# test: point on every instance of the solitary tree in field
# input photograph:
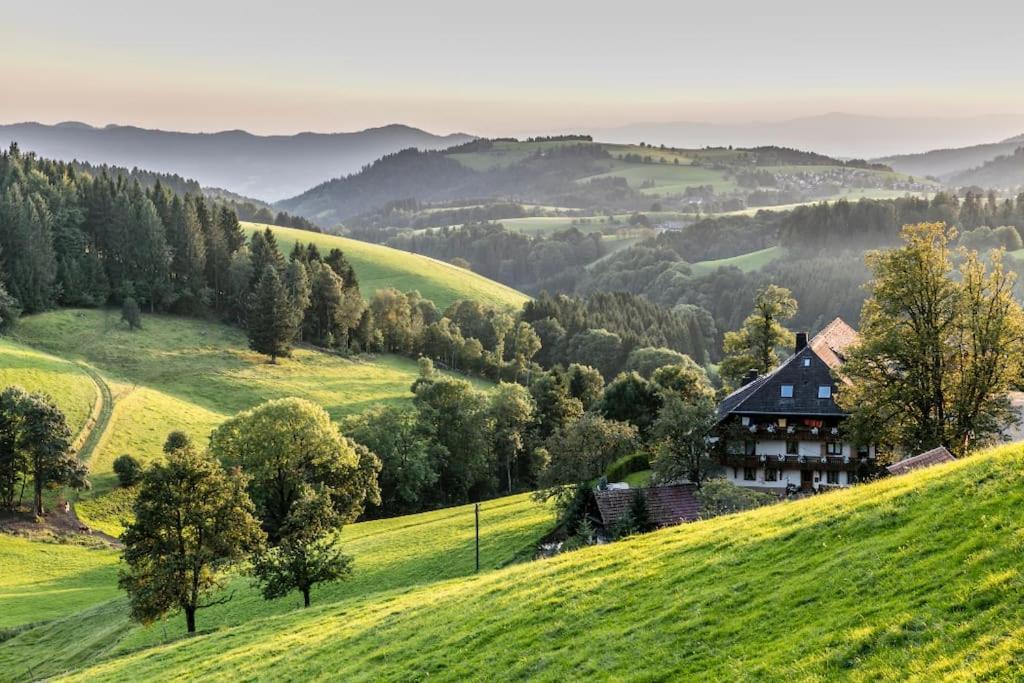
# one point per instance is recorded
(308, 552)
(756, 344)
(191, 519)
(938, 353)
(272, 320)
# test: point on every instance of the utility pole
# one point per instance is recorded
(476, 509)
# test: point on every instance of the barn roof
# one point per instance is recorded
(666, 505)
(935, 456)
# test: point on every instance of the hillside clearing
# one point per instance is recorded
(190, 375)
(915, 577)
(750, 262)
(378, 267)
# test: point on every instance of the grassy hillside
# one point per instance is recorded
(392, 558)
(378, 267)
(187, 374)
(912, 578)
(35, 371)
(755, 260)
(40, 581)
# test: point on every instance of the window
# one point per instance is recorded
(824, 392)
(782, 423)
(749, 474)
(832, 477)
(807, 362)
(745, 421)
(834, 448)
(863, 451)
(749, 447)
(770, 474)
(792, 448)
(786, 391)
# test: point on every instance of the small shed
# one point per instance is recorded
(667, 505)
(935, 456)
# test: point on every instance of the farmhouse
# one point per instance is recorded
(784, 431)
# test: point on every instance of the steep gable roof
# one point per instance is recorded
(833, 341)
(805, 371)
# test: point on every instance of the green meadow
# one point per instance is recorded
(378, 267)
(748, 263)
(910, 578)
(179, 374)
(393, 557)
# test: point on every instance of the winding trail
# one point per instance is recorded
(102, 421)
(88, 438)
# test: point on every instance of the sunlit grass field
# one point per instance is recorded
(39, 372)
(911, 578)
(378, 267)
(392, 558)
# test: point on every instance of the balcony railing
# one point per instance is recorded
(803, 462)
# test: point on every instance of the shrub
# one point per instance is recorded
(721, 497)
(627, 465)
(128, 470)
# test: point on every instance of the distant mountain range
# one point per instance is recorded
(947, 164)
(267, 167)
(836, 134)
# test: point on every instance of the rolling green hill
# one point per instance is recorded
(746, 262)
(378, 267)
(392, 558)
(38, 372)
(184, 374)
(590, 176)
(910, 578)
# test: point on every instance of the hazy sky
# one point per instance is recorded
(510, 68)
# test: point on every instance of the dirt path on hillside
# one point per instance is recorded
(63, 520)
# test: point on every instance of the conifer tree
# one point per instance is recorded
(271, 319)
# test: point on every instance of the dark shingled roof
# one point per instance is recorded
(667, 505)
(764, 395)
(935, 456)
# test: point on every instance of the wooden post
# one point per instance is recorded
(476, 510)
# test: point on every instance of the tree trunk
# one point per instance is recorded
(38, 503)
(508, 472)
(190, 619)
(305, 597)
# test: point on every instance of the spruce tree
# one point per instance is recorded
(272, 321)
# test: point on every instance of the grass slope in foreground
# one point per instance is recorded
(378, 267)
(392, 558)
(912, 578)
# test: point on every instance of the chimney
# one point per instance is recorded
(749, 377)
(801, 342)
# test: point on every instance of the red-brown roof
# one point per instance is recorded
(833, 341)
(935, 456)
(666, 505)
